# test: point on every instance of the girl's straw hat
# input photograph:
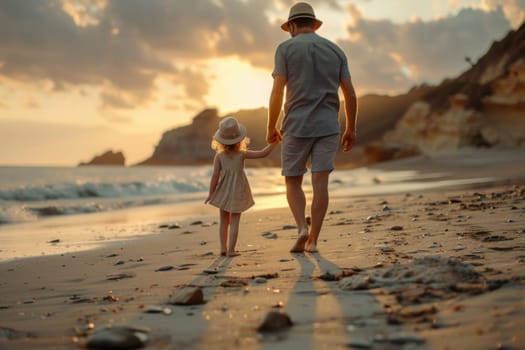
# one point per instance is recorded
(230, 131)
(301, 10)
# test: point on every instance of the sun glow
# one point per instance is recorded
(238, 85)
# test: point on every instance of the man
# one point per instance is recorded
(312, 69)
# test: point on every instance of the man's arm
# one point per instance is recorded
(350, 97)
(274, 109)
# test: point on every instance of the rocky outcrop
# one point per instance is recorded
(107, 158)
(187, 145)
(484, 107)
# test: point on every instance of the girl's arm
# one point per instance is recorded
(214, 178)
(261, 153)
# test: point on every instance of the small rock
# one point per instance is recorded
(396, 228)
(188, 296)
(165, 268)
(54, 241)
(260, 280)
(119, 276)
(275, 322)
(118, 337)
(360, 343)
(158, 309)
(403, 338)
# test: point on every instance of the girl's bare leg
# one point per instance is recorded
(235, 219)
(224, 224)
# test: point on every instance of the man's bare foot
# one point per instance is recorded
(232, 254)
(311, 247)
(299, 243)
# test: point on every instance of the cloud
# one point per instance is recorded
(39, 41)
(513, 9)
(386, 56)
(126, 48)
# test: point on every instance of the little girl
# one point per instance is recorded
(229, 187)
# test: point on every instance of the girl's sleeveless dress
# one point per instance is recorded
(233, 193)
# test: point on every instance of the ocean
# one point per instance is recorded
(87, 206)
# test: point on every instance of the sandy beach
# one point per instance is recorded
(440, 268)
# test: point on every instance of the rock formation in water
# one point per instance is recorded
(107, 158)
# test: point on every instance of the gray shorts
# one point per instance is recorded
(296, 151)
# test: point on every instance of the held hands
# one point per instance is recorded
(273, 136)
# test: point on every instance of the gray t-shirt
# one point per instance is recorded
(313, 67)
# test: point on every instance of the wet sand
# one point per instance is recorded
(434, 269)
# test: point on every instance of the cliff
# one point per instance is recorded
(483, 107)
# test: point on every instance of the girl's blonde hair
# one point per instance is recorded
(241, 146)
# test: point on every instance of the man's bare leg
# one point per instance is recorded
(319, 207)
(297, 203)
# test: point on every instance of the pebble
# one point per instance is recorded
(188, 296)
(165, 268)
(211, 271)
(360, 343)
(119, 276)
(403, 338)
(158, 309)
(118, 337)
(260, 280)
(275, 321)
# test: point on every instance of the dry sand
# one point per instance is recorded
(440, 269)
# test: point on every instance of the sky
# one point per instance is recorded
(79, 77)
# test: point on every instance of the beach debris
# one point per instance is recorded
(112, 255)
(396, 228)
(289, 227)
(111, 298)
(197, 222)
(275, 321)
(119, 262)
(158, 309)
(187, 296)
(119, 276)
(75, 299)
(171, 267)
(360, 343)
(267, 275)
(269, 235)
(118, 337)
(211, 270)
(330, 277)
(165, 268)
(173, 226)
(54, 241)
(260, 280)
(233, 283)
(9, 333)
(403, 338)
